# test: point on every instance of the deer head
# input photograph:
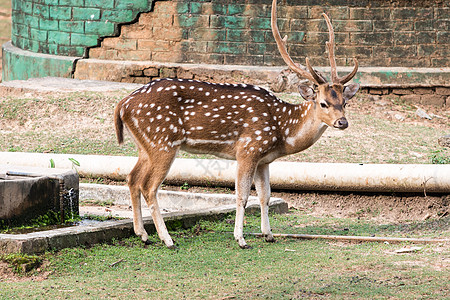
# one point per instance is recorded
(329, 99)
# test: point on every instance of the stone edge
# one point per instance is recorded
(122, 71)
(57, 239)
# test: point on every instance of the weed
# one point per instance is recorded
(101, 218)
(51, 218)
(185, 186)
(440, 157)
(22, 263)
(108, 202)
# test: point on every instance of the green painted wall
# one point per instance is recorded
(21, 64)
(399, 33)
(68, 27)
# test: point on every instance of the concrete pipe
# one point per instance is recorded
(284, 175)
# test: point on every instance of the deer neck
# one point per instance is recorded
(308, 130)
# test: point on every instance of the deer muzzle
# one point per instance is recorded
(341, 123)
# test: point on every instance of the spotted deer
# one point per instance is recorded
(242, 122)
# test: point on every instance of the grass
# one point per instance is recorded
(209, 264)
(81, 123)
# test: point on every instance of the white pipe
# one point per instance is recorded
(284, 175)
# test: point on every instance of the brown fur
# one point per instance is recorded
(241, 122)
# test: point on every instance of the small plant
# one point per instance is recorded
(48, 219)
(185, 186)
(22, 263)
(102, 218)
(72, 160)
(440, 157)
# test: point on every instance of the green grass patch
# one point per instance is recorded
(47, 221)
(209, 264)
(22, 263)
(82, 123)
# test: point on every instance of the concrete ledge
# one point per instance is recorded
(106, 231)
(20, 64)
(277, 78)
(60, 84)
(27, 192)
(169, 201)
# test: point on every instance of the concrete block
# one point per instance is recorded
(48, 24)
(151, 72)
(136, 5)
(118, 16)
(23, 6)
(60, 12)
(58, 37)
(26, 192)
(103, 4)
(38, 35)
(192, 21)
(85, 13)
(374, 13)
(423, 91)
(72, 26)
(412, 13)
(71, 50)
(16, 64)
(101, 28)
(402, 91)
(413, 99)
(133, 55)
(41, 10)
(227, 47)
(71, 2)
(120, 44)
(371, 38)
(83, 39)
(433, 99)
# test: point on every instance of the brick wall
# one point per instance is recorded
(379, 33)
(69, 27)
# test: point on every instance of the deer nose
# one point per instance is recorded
(341, 123)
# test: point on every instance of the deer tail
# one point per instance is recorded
(118, 124)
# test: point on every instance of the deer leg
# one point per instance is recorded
(262, 185)
(135, 192)
(244, 180)
(159, 167)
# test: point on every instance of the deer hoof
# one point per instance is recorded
(246, 246)
(270, 239)
(147, 242)
(172, 247)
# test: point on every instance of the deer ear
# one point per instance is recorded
(350, 90)
(307, 92)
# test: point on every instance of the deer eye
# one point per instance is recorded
(323, 105)
(344, 105)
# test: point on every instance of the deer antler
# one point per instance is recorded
(330, 45)
(281, 43)
(312, 75)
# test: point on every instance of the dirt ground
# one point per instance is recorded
(383, 208)
(378, 207)
(388, 207)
